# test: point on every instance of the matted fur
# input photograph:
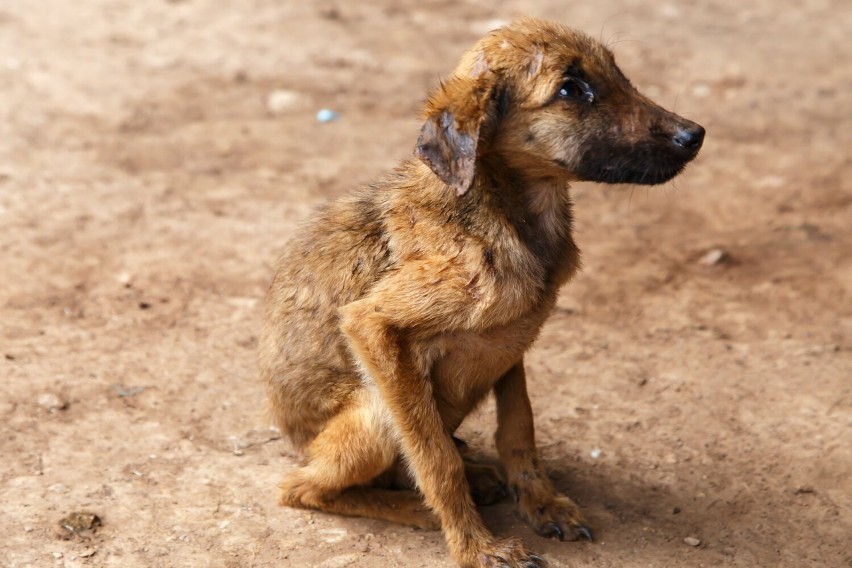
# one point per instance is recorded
(396, 310)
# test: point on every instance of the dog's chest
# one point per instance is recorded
(466, 365)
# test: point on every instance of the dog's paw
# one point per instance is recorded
(556, 517)
(509, 553)
(487, 485)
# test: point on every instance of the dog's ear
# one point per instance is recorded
(454, 113)
(448, 149)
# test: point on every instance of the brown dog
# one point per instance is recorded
(397, 310)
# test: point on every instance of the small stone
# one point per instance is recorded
(596, 453)
(58, 555)
(670, 11)
(700, 90)
(691, 541)
(80, 522)
(51, 402)
(88, 552)
(281, 101)
(327, 115)
(676, 510)
(714, 257)
(334, 535)
(124, 392)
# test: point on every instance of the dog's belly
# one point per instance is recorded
(467, 365)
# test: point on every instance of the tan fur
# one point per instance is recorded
(396, 310)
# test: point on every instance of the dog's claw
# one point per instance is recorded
(555, 530)
(584, 532)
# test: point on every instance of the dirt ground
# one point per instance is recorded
(154, 157)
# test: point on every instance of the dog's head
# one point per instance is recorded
(548, 101)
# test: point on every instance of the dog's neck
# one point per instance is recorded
(548, 201)
(550, 223)
(540, 211)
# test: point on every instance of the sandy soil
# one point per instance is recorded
(147, 184)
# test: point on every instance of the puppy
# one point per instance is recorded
(396, 310)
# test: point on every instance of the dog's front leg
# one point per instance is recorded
(550, 513)
(381, 329)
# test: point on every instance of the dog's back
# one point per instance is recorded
(330, 261)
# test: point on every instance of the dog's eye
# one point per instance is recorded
(576, 89)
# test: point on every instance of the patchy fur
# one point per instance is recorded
(396, 310)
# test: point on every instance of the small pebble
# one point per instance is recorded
(692, 541)
(280, 101)
(51, 402)
(124, 392)
(714, 257)
(700, 90)
(327, 115)
(670, 11)
(596, 453)
(78, 523)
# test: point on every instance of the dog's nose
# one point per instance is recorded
(689, 138)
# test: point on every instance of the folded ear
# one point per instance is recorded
(449, 152)
(450, 135)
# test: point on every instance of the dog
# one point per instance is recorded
(397, 309)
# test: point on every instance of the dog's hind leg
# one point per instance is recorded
(353, 449)
(487, 482)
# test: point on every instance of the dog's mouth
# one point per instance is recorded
(646, 163)
(624, 168)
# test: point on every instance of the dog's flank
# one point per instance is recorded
(396, 310)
